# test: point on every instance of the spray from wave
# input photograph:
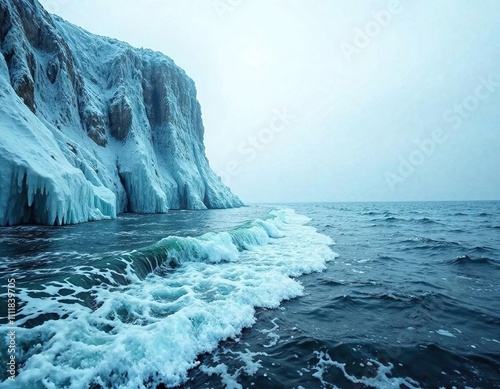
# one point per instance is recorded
(140, 319)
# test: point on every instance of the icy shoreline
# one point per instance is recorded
(91, 127)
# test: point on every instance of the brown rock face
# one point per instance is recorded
(25, 89)
(53, 70)
(154, 89)
(94, 124)
(120, 116)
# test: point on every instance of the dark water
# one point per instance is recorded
(413, 300)
(416, 288)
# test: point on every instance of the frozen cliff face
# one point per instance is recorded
(91, 127)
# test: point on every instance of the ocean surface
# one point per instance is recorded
(340, 295)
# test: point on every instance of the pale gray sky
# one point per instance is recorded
(331, 100)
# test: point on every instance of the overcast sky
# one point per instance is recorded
(331, 100)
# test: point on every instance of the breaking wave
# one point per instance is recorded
(140, 319)
(465, 259)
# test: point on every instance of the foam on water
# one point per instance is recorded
(147, 320)
(250, 364)
(271, 334)
(382, 378)
(445, 333)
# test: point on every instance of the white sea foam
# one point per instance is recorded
(445, 333)
(150, 330)
(381, 380)
(248, 363)
(273, 336)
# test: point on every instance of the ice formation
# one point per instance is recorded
(91, 127)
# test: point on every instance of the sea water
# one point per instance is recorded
(268, 296)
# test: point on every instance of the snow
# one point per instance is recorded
(98, 128)
(44, 187)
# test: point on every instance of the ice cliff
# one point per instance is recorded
(91, 127)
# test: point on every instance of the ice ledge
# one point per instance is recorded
(38, 184)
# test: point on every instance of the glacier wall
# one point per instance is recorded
(91, 127)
